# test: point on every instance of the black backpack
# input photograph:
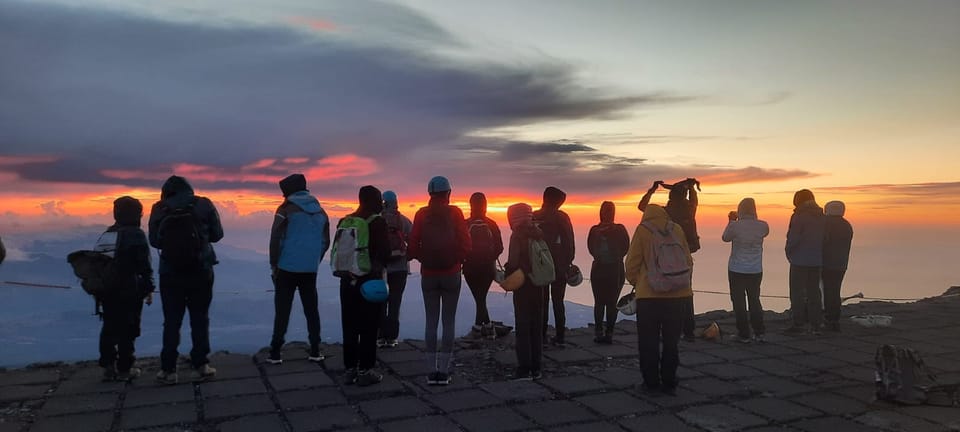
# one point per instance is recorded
(96, 271)
(604, 250)
(181, 245)
(680, 215)
(481, 240)
(438, 241)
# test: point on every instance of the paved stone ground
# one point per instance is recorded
(788, 384)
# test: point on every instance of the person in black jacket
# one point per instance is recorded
(558, 233)
(132, 286)
(838, 235)
(479, 268)
(361, 319)
(528, 305)
(608, 243)
(186, 282)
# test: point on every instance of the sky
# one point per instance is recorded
(857, 100)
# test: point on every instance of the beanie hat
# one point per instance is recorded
(835, 208)
(438, 184)
(519, 215)
(802, 196)
(293, 183)
(390, 199)
(127, 210)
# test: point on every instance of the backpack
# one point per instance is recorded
(481, 239)
(350, 254)
(96, 268)
(604, 251)
(398, 240)
(682, 217)
(899, 374)
(542, 271)
(666, 260)
(438, 242)
(181, 244)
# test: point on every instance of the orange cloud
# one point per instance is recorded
(317, 24)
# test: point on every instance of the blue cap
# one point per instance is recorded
(438, 184)
(389, 197)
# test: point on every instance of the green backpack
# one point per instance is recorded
(542, 271)
(350, 254)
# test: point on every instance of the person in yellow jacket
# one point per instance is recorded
(659, 314)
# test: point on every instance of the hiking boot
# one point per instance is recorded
(381, 343)
(522, 375)
(433, 378)
(607, 339)
(109, 374)
(536, 375)
(759, 339)
(203, 373)
(368, 377)
(744, 339)
(164, 377)
(668, 390)
(275, 358)
(650, 388)
(795, 331)
(129, 375)
(316, 356)
(392, 343)
(816, 330)
(598, 339)
(833, 327)
(443, 379)
(490, 330)
(350, 376)
(557, 341)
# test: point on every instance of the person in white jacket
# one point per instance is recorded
(745, 269)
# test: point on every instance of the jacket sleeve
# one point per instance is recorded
(678, 231)
(645, 200)
(463, 235)
(325, 236)
(766, 228)
(624, 241)
(214, 228)
(794, 232)
(729, 231)
(416, 231)
(144, 268)
(635, 257)
(277, 232)
(568, 237)
(591, 240)
(379, 242)
(497, 236)
(157, 212)
(694, 201)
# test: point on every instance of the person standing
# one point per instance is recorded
(528, 306)
(299, 238)
(369, 246)
(440, 242)
(558, 233)
(398, 268)
(804, 251)
(745, 268)
(838, 235)
(608, 243)
(132, 287)
(183, 227)
(479, 268)
(660, 309)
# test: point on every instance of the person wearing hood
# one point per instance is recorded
(183, 227)
(360, 318)
(528, 305)
(558, 233)
(608, 243)
(398, 268)
(838, 235)
(804, 251)
(659, 314)
(133, 286)
(479, 268)
(440, 242)
(746, 232)
(299, 238)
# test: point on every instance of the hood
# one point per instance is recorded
(293, 183)
(655, 214)
(519, 215)
(439, 199)
(553, 198)
(176, 192)
(127, 211)
(802, 196)
(305, 201)
(835, 208)
(478, 205)
(371, 201)
(747, 209)
(808, 207)
(678, 192)
(607, 211)
(390, 201)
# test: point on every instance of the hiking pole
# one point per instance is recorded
(858, 295)
(36, 285)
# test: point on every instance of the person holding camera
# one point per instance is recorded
(745, 232)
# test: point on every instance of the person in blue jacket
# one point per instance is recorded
(299, 238)
(804, 251)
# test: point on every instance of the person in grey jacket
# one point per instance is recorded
(299, 238)
(836, 254)
(804, 251)
(398, 268)
(745, 268)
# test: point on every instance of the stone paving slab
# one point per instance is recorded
(588, 427)
(619, 378)
(423, 424)
(89, 380)
(23, 392)
(949, 417)
(714, 387)
(90, 402)
(230, 388)
(720, 418)
(517, 390)
(298, 399)
(395, 408)
(896, 422)
(142, 396)
(396, 356)
(734, 354)
(292, 367)
(694, 358)
(774, 366)
(29, 376)
(683, 397)
(775, 386)
(615, 404)
(462, 400)
(158, 415)
(389, 386)
(325, 419)
(776, 409)
(555, 412)
(409, 368)
(612, 351)
(573, 384)
(237, 406)
(730, 370)
(91, 422)
(571, 355)
(831, 403)
(659, 422)
(831, 424)
(258, 423)
(300, 381)
(492, 420)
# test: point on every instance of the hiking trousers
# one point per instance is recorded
(478, 278)
(390, 321)
(805, 300)
(360, 320)
(658, 324)
(832, 279)
(440, 296)
(286, 287)
(181, 292)
(744, 291)
(528, 308)
(121, 326)
(557, 291)
(606, 280)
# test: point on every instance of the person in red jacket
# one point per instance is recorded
(440, 242)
